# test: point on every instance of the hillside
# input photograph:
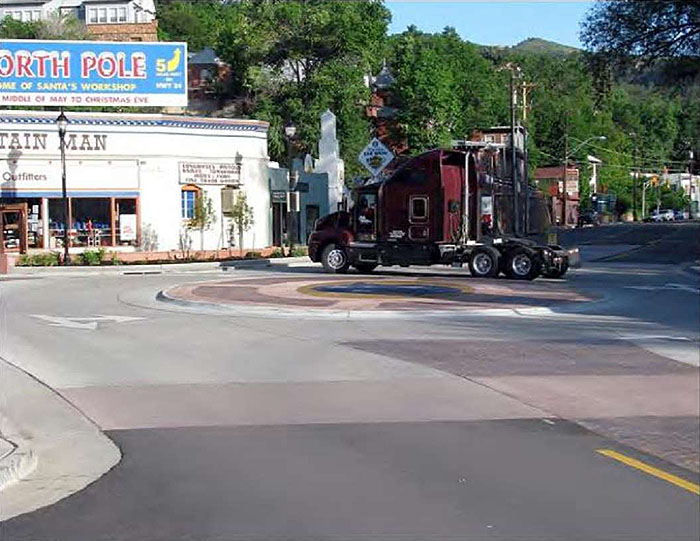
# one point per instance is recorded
(543, 46)
(531, 46)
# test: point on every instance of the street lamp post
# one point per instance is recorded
(290, 131)
(62, 123)
(568, 154)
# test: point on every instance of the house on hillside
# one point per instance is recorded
(207, 75)
(382, 110)
(105, 20)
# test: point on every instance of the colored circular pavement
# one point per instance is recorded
(376, 293)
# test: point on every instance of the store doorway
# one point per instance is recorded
(13, 228)
(279, 223)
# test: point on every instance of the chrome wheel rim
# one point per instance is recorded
(336, 259)
(482, 263)
(521, 264)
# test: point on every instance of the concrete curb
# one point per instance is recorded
(16, 464)
(206, 266)
(57, 451)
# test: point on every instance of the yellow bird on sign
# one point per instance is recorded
(174, 62)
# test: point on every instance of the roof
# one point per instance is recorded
(384, 78)
(21, 2)
(133, 119)
(205, 56)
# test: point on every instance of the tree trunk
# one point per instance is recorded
(240, 241)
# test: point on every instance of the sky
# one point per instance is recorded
(496, 22)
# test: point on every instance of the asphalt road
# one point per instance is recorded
(482, 427)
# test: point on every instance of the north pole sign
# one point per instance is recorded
(375, 157)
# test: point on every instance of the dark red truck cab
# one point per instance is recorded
(442, 207)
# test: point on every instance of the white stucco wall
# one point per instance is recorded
(141, 155)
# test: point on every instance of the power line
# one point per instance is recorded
(632, 156)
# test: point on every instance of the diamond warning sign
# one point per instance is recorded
(375, 157)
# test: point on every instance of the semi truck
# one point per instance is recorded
(450, 207)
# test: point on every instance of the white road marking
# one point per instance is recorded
(678, 287)
(84, 323)
(654, 337)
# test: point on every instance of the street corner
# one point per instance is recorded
(49, 449)
(394, 294)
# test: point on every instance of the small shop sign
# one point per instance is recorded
(279, 196)
(202, 173)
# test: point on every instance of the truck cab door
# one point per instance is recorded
(418, 217)
(366, 217)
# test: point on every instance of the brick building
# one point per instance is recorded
(564, 201)
(105, 20)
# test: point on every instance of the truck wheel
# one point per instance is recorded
(483, 262)
(335, 259)
(522, 264)
(365, 268)
(557, 273)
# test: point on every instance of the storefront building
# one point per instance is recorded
(132, 180)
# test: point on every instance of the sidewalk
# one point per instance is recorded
(50, 449)
(206, 266)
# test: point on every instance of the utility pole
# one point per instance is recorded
(513, 166)
(566, 166)
(690, 183)
(526, 87)
(635, 179)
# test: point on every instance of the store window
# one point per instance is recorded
(189, 196)
(122, 15)
(103, 15)
(126, 222)
(92, 15)
(91, 222)
(112, 15)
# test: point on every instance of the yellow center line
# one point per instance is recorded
(634, 463)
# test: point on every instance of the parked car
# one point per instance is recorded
(588, 217)
(662, 216)
(679, 215)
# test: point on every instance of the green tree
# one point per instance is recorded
(13, 29)
(54, 26)
(242, 218)
(203, 217)
(650, 29)
(444, 88)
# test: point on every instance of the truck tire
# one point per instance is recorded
(483, 262)
(557, 273)
(522, 263)
(335, 259)
(365, 268)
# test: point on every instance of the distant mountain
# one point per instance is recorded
(542, 46)
(534, 46)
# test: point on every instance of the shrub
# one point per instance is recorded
(299, 251)
(92, 257)
(278, 252)
(43, 259)
(252, 255)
